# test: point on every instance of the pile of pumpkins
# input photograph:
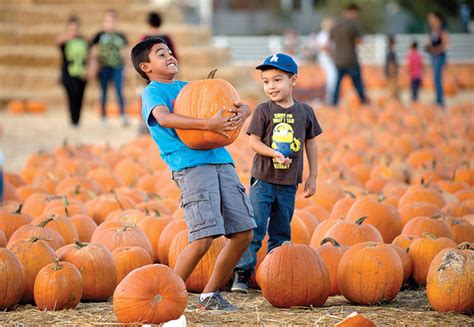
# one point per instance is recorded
(394, 201)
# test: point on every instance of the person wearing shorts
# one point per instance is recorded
(213, 199)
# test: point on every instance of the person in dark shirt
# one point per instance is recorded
(346, 34)
(74, 51)
(108, 48)
(391, 69)
(279, 131)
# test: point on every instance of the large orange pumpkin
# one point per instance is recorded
(12, 279)
(33, 254)
(58, 286)
(203, 99)
(370, 272)
(292, 275)
(450, 282)
(96, 264)
(331, 253)
(203, 270)
(150, 294)
(422, 251)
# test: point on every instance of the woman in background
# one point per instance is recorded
(437, 47)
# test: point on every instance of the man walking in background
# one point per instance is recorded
(346, 35)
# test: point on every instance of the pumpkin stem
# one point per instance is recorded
(34, 239)
(352, 195)
(156, 212)
(118, 201)
(80, 244)
(430, 235)
(465, 246)
(46, 221)
(361, 220)
(57, 265)
(211, 74)
(287, 243)
(381, 198)
(18, 210)
(330, 240)
(147, 212)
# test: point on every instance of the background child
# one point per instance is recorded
(415, 69)
(278, 131)
(74, 52)
(107, 49)
(212, 196)
(391, 69)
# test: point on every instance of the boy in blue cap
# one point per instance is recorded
(278, 131)
(213, 199)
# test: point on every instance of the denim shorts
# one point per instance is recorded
(214, 201)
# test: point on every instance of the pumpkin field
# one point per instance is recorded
(90, 225)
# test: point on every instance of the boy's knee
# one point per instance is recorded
(244, 237)
(202, 245)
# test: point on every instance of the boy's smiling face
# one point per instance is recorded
(278, 86)
(163, 66)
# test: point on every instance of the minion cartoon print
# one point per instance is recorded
(283, 139)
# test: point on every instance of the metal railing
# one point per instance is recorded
(372, 51)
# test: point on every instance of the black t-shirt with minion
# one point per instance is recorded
(285, 130)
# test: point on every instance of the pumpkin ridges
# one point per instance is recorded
(12, 279)
(133, 300)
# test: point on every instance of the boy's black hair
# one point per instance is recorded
(414, 45)
(265, 68)
(154, 19)
(352, 7)
(141, 51)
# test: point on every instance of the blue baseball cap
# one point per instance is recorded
(280, 61)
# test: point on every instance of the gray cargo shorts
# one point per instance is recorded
(214, 201)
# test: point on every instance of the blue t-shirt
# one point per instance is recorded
(174, 152)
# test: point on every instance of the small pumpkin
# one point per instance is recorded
(203, 99)
(294, 275)
(422, 251)
(96, 264)
(331, 253)
(370, 272)
(12, 279)
(58, 286)
(151, 294)
(450, 282)
(128, 258)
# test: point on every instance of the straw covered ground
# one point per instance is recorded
(411, 307)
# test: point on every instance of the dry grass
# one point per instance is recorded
(409, 308)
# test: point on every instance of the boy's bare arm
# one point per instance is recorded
(312, 153)
(218, 123)
(262, 149)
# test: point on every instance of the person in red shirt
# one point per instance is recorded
(415, 69)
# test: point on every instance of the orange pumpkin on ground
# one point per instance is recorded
(204, 99)
(422, 251)
(450, 282)
(331, 252)
(420, 225)
(12, 279)
(96, 264)
(355, 320)
(151, 294)
(294, 275)
(58, 286)
(33, 254)
(370, 272)
(350, 233)
(128, 258)
(202, 272)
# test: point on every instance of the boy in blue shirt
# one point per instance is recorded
(212, 196)
(279, 131)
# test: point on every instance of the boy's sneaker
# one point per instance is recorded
(216, 302)
(241, 282)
